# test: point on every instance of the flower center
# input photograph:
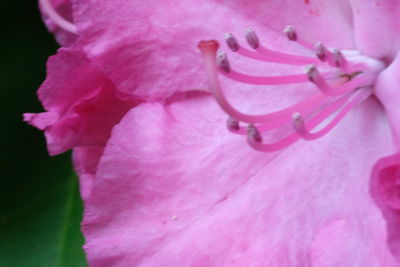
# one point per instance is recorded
(347, 83)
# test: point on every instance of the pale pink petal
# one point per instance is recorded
(387, 89)
(385, 188)
(142, 46)
(377, 27)
(64, 9)
(174, 188)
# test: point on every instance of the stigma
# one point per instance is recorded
(346, 81)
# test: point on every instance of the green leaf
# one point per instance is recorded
(40, 225)
(40, 207)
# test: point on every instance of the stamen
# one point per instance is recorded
(233, 125)
(265, 54)
(258, 145)
(275, 57)
(209, 50)
(56, 18)
(347, 87)
(339, 59)
(321, 51)
(223, 62)
(252, 38)
(258, 80)
(292, 35)
(325, 88)
(301, 129)
(315, 121)
(231, 42)
(253, 133)
(289, 57)
(334, 58)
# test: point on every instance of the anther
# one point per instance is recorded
(338, 58)
(233, 124)
(231, 42)
(298, 122)
(252, 38)
(290, 33)
(253, 134)
(311, 72)
(223, 62)
(321, 51)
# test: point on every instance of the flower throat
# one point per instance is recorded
(351, 84)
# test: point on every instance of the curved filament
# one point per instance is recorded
(354, 100)
(211, 68)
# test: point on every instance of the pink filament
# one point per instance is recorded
(211, 68)
(346, 89)
(276, 57)
(315, 121)
(271, 80)
(56, 18)
(324, 114)
(357, 98)
(268, 52)
(325, 88)
(301, 41)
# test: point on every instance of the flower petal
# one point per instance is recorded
(377, 27)
(174, 188)
(387, 89)
(149, 48)
(385, 180)
(81, 104)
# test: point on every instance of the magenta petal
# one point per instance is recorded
(385, 188)
(175, 188)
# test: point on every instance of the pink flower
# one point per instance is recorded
(169, 185)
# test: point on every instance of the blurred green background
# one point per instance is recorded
(40, 208)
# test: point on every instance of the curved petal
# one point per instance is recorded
(64, 8)
(81, 104)
(174, 188)
(149, 48)
(385, 179)
(86, 159)
(387, 89)
(377, 27)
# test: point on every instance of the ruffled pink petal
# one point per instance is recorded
(385, 188)
(64, 8)
(377, 27)
(81, 104)
(175, 188)
(387, 89)
(141, 46)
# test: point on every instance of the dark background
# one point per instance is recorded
(40, 208)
